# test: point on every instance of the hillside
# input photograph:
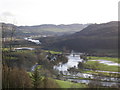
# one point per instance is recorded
(44, 29)
(94, 38)
(102, 38)
(51, 29)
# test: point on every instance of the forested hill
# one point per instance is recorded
(51, 29)
(79, 37)
(110, 29)
(95, 37)
(44, 29)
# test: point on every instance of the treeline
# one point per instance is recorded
(19, 78)
(17, 72)
(97, 39)
(15, 78)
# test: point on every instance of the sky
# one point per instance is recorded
(36, 12)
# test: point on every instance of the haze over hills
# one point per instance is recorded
(78, 37)
(46, 29)
(53, 29)
(95, 37)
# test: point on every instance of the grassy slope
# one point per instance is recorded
(53, 52)
(104, 58)
(99, 66)
(116, 60)
(67, 84)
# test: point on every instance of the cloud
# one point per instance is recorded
(8, 14)
(7, 17)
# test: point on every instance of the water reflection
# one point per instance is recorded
(32, 40)
(107, 62)
(73, 61)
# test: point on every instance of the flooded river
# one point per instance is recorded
(32, 40)
(107, 62)
(73, 61)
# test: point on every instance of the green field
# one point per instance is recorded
(104, 58)
(53, 52)
(67, 84)
(95, 65)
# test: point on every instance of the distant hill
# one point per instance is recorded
(51, 29)
(45, 29)
(94, 38)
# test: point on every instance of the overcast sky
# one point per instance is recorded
(36, 12)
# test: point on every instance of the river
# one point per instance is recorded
(73, 61)
(107, 62)
(32, 40)
(29, 48)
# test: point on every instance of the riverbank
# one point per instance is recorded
(73, 61)
(116, 60)
(69, 84)
(95, 65)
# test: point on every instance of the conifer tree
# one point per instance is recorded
(36, 77)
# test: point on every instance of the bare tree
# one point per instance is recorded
(5, 34)
(13, 29)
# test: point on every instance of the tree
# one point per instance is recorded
(49, 83)
(81, 65)
(84, 57)
(15, 78)
(19, 78)
(36, 77)
(5, 80)
(95, 83)
(8, 31)
(13, 28)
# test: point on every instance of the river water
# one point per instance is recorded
(107, 62)
(32, 40)
(29, 48)
(101, 83)
(24, 48)
(73, 61)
